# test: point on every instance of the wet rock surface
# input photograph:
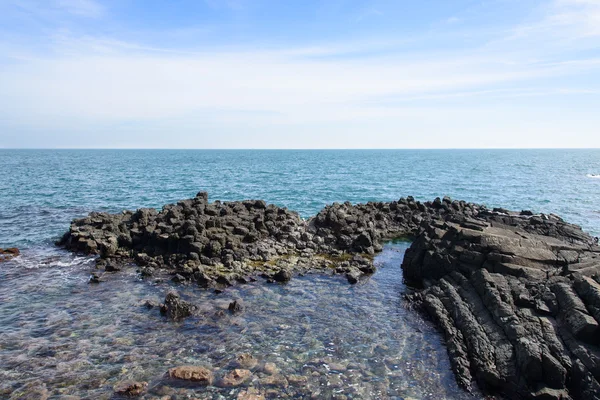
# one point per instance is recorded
(130, 388)
(198, 375)
(175, 308)
(7, 254)
(516, 297)
(515, 294)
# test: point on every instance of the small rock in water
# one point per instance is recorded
(94, 279)
(236, 306)
(149, 304)
(200, 375)
(250, 394)
(298, 380)
(130, 388)
(270, 368)
(175, 308)
(235, 378)
(353, 276)
(337, 367)
(246, 360)
(274, 380)
(111, 268)
(284, 275)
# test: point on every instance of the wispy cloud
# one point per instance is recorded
(565, 20)
(378, 85)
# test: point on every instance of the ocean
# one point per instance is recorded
(41, 191)
(62, 336)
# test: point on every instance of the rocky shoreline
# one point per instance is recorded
(515, 294)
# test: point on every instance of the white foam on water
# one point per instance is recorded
(36, 261)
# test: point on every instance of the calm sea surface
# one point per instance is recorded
(59, 334)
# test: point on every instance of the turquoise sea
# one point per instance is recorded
(42, 190)
(60, 336)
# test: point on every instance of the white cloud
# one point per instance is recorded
(115, 86)
(289, 97)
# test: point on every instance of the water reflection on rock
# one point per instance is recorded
(314, 337)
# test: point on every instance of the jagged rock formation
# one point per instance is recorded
(517, 295)
(517, 298)
(225, 243)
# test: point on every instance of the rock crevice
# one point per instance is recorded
(516, 297)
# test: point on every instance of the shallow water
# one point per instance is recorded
(61, 334)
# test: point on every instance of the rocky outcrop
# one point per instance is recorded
(516, 297)
(211, 244)
(224, 243)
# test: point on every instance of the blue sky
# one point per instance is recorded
(299, 74)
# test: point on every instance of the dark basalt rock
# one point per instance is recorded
(236, 306)
(283, 275)
(516, 294)
(175, 308)
(224, 243)
(517, 300)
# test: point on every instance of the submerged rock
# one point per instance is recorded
(236, 307)
(198, 375)
(250, 394)
(247, 361)
(270, 368)
(130, 388)
(235, 378)
(274, 380)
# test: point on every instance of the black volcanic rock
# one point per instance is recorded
(516, 294)
(517, 299)
(175, 308)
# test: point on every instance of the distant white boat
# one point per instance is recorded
(593, 175)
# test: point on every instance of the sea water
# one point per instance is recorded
(62, 336)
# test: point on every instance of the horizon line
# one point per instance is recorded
(297, 149)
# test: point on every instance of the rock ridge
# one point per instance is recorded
(517, 298)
